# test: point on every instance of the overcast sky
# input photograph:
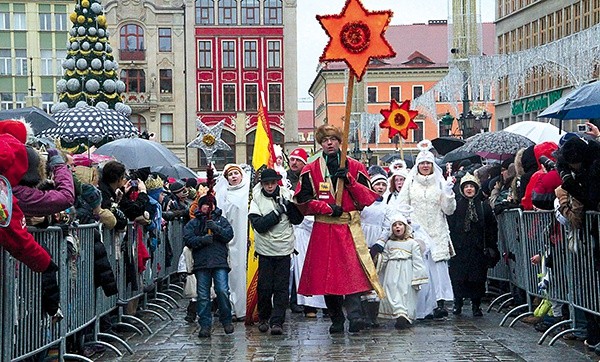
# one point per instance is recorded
(312, 39)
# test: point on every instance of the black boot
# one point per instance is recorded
(476, 307)
(191, 312)
(440, 312)
(457, 308)
(370, 311)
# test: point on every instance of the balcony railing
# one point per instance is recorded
(127, 55)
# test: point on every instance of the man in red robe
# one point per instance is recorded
(337, 262)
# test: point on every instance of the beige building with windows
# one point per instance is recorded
(526, 24)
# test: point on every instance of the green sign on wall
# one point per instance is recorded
(536, 103)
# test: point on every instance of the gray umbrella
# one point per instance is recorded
(137, 153)
(178, 171)
(498, 145)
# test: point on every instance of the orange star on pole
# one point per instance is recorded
(356, 36)
(399, 119)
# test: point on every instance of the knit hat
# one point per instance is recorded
(32, 177)
(574, 150)
(468, 178)
(376, 169)
(507, 162)
(176, 187)
(566, 137)
(328, 130)
(299, 154)
(13, 158)
(191, 182)
(207, 200)
(230, 167)
(425, 156)
(268, 174)
(18, 128)
(378, 178)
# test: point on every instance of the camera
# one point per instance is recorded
(548, 163)
(582, 127)
(133, 183)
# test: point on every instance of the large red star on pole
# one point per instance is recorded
(399, 119)
(356, 36)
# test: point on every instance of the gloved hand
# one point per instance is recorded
(448, 186)
(280, 207)
(50, 290)
(543, 285)
(212, 225)
(91, 195)
(336, 210)
(375, 249)
(342, 173)
(206, 239)
(55, 158)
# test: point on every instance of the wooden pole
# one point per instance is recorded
(401, 149)
(349, 94)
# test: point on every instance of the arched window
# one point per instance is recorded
(277, 139)
(205, 12)
(221, 157)
(132, 37)
(227, 12)
(273, 12)
(250, 12)
(134, 79)
(139, 122)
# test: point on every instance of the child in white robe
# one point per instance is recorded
(402, 271)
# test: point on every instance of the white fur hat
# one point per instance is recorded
(425, 156)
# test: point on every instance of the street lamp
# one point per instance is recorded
(446, 124)
(369, 154)
(356, 149)
(484, 121)
(467, 124)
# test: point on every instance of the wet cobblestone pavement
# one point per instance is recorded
(459, 338)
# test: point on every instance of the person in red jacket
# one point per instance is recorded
(545, 149)
(14, 238)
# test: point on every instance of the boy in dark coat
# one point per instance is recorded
(207, 235)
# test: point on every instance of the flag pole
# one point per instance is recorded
(344, 149)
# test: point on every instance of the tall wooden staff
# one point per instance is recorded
(355, 37)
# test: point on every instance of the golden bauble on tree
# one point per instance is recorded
(85, 3)
(101, 20)
(81, 19)
(73, 17)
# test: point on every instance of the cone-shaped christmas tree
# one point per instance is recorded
(90, 70)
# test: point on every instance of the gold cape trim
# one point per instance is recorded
(352, 219)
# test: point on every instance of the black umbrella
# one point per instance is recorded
(459, 155)
(443, 145)
(90, 125)
(391, 157)
(499, 145)
(37, 118)
(178, 171)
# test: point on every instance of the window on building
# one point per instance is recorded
(20, 61)
(274, 54)
(19, 22)
(205, 98)
(60, 54)
(45, 21)
(20, 100)
(250, 138)
(166, 127)
(273, 12)
(204, 54)
(372, 94)
(418, 133)
(164, 40)
(4, 21)
(6, 101)
(250, 12)
(251, 97)
(395, 93)
(250, 54)
(227, 12)
(229, 97)
(134, 79)
(275, 97)
(132, 37)
(205, 12)
(221, 157)
(228, 54)
(5, 62)
(166, 80)
(139, 122)
(417, 91)
(47, 101)
(46, 62)
(60, 22)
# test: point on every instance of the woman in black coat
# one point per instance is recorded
(472, 228)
